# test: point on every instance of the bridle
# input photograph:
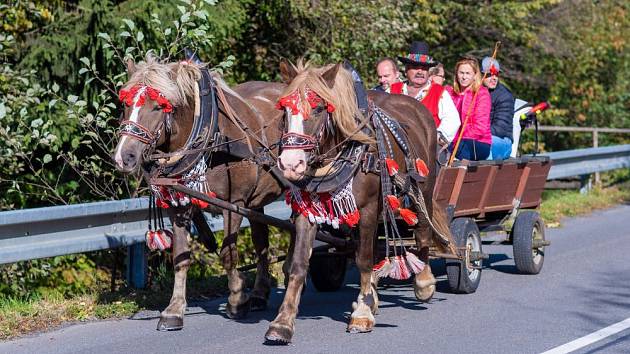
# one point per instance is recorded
(136, 97)
(306, 142)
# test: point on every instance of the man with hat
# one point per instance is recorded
(502, 112)
(432, 95)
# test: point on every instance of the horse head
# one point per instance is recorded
(318, 104)
(157, 112)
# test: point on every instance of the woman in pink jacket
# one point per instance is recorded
(477, 136)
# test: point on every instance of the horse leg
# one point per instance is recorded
(286, 266)
(362, 318)
(238, 302)
(281, 329)
(424, 282)
(260, 294)
(172, 318)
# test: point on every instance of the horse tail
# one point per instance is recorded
(442, 231)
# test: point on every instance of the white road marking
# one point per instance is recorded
(591, 338)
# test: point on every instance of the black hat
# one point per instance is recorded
(418, 55)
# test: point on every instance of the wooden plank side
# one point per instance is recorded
(505, 183)
(472, 188)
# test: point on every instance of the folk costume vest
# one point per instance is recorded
(431, 100)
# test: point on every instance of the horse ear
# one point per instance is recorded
(131, 66)
(330, 75)
(287, 71)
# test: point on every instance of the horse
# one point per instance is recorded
(161, 114)
(321, 117)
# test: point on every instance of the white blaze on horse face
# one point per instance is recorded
(134, 118)
(293, 161)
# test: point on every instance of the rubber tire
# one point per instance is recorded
(522, 240)
(327, 272)
(459, 279)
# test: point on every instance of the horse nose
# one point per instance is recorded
(297, 167)
(129, 160)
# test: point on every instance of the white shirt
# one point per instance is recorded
(447, 112)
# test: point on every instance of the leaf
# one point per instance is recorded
(139, 36)
(3, 110)
(72, 98)
(167, 31)
(37, 122)
(125, 34)
(85, 61)
(202, 14)
(51, 103)
(104, 35)
(185, 18)
(181, 9)
(83, 71)
(55, 87)
(129, 23)
(47, 158)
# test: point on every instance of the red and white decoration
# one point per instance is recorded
(333, 209)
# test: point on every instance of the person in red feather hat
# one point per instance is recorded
(432, 95)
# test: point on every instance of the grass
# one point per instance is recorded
(46, 312)
(563, 203)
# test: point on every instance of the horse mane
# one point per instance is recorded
(176, 81)
(218, 79)
(341, 95)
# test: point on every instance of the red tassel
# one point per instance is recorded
(393, 202)
(330, 107)
(409, 216)
(202, 204)
(422, 168)
(161, 204)
(400, 270)
(392, 166)
(415, 264)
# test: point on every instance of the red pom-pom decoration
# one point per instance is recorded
(409, 216)
(422, 168)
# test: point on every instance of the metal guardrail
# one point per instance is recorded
(586, 161)
(60, 230)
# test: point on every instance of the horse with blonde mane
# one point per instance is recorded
(321, 120)
(183, 123)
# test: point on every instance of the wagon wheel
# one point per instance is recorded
(327, 271)
(528, 241)
(464, 276)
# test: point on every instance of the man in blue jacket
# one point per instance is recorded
(502, 113)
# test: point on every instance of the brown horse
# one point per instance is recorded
(161, 121)
(322, 116)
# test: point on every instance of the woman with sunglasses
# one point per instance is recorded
(473, 103)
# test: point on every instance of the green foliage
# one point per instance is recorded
(68, 275)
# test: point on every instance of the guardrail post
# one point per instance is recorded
(585, 184)
(598, 180)
(136, 273)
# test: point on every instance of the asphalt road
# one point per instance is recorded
(584, 286)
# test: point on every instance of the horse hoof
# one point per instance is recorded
(360, 325)
(239, 311)
(170, 324)
(258, 304)
(425, 294)
(278, 335)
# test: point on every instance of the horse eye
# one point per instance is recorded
(318, 110)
